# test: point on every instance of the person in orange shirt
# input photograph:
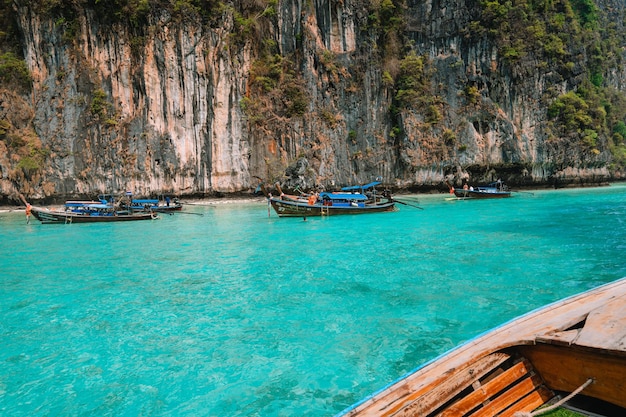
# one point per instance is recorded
(28, 210)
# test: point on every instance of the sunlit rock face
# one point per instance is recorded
(157, 115)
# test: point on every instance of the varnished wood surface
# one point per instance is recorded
(442, 390)
(567, 368)
(487, 392)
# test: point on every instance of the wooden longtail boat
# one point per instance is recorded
(571, 352)
(351, 200)
(492, 190)
(88, 213)
(331, 205)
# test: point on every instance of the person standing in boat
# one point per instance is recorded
(28, 211)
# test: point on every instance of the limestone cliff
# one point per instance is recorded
(198, 101)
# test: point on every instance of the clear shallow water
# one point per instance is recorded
(236, 314)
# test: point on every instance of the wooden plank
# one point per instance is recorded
(487, 391)
(530, 402)
(605, 327)
(395, 399)
(435, 395)
(509, 397)
(566, 368)
(565, 338)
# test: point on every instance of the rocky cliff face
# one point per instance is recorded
(162, 118)
(311, 94)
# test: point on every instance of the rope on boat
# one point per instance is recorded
(555, 405)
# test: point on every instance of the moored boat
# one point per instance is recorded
(350, 200)
(88, 212)
(570, 354)
(492, 190)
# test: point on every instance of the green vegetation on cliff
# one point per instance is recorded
(573, 37)
(14, 72)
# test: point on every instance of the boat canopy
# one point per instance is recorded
(80, 203)
(146, 201)
(361, 187)
(79, 207)
(342, 196)
(98, 206)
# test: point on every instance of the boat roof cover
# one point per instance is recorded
(343, 196)
(80, 203)
(361, 187)
(97, 206)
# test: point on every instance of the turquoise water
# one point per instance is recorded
(235, 313)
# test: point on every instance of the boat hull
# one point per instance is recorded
(464, 194)
(289, 208)
(572, 344)
(51, 216)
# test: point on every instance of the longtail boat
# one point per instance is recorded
(88, 212)
(492, 190)
(358, 199)
(569, 354)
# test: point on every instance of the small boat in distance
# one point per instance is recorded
(492, 190)
(358, 199)
(569, 354)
